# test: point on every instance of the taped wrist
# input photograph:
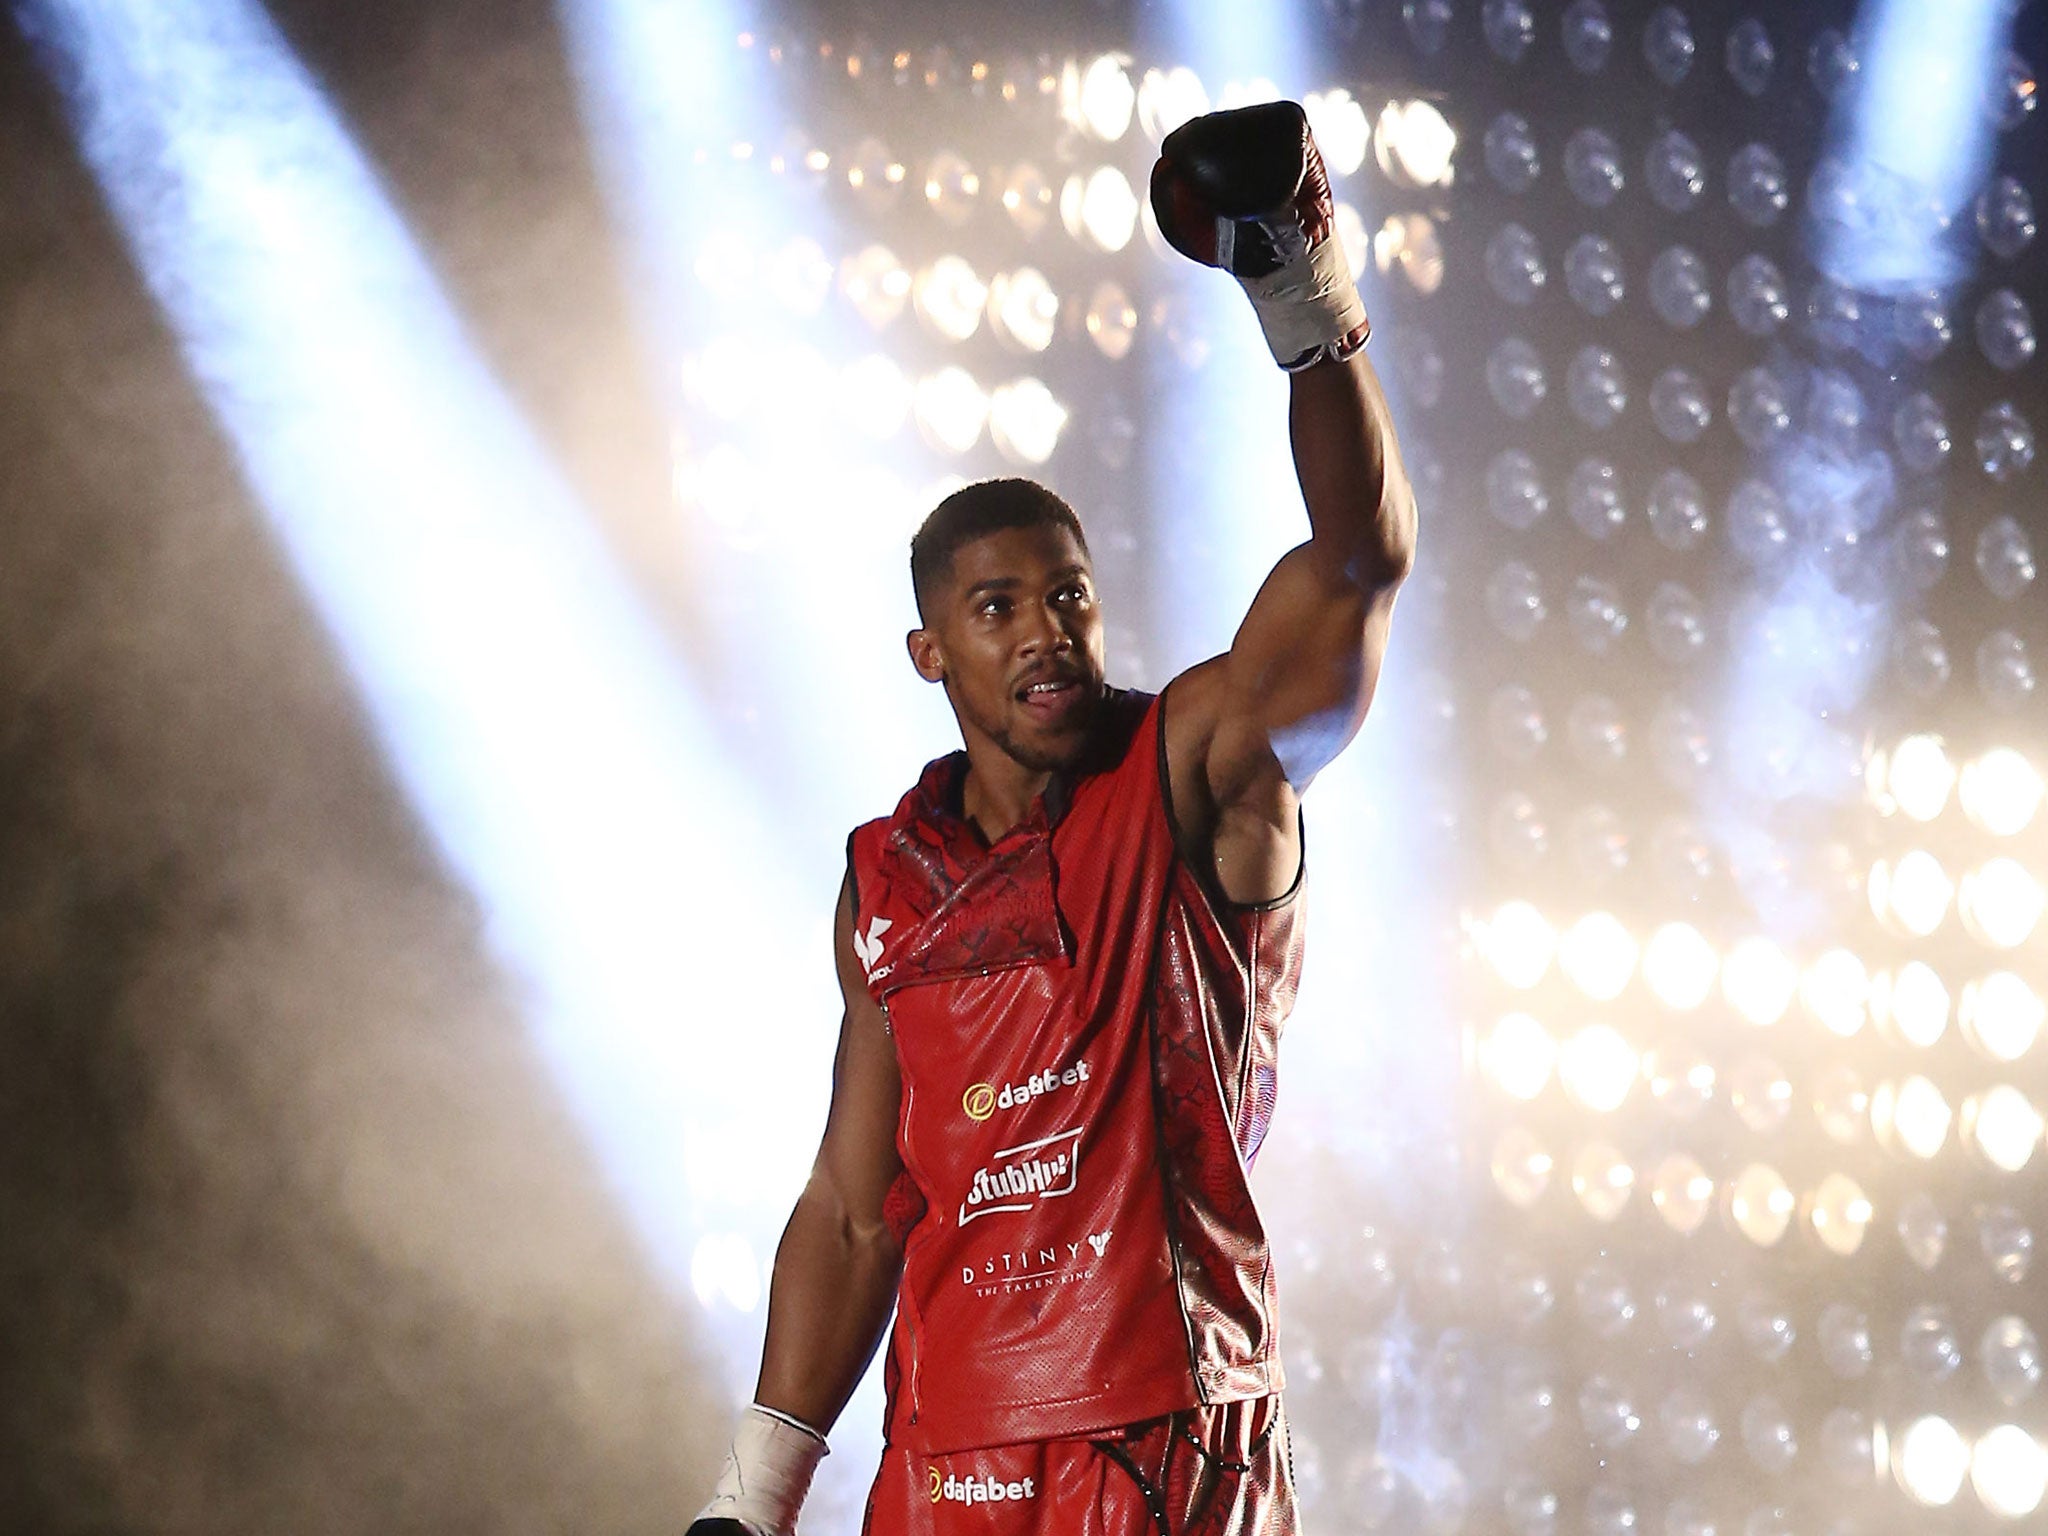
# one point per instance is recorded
(767, 1473)
(1309, 307)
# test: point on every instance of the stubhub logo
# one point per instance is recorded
(984, 1099)
(980, 1490)
(1020, 1177)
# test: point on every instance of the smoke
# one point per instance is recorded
(293, 1231)
(1806, 646)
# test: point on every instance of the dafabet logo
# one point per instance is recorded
(980, 1490)
(984, 1099)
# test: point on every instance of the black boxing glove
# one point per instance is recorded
(1245, 190)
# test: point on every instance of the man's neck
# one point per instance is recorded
(999, 790)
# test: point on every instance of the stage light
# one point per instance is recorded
(799, 275)
(875, 175)
(1845, 1344)
(1414, 144)
(1509, 27)
(1760, 1207)
(1759, 980)
(1841, 1104)
(1911, 1117)
(1598, 1067)
(1519, 1055)
(2005, 217)
(2004, 442)
(1930, 1460)
(1683, 1193)
(1519, 942)
(1840, 1214)
(1111, 321)
(1100, 209)
(950, 297)
(1521, 1168)
(1514, 265)
(875, 395)
(1596, 387)
(1246, 93)
(1025, 421)
(1682, 1081)
(1099, 97)
(2002, 1016)
(1512, 157)
(1756, 186)
(2009, 1355)
(1340, 127)
(1588, 36)
(1756, 296)
(1023, 308)
(2001, 792)
(2005, 330)
(1920, 432)
(2005, 672)
(1675, 171)
(1836, 991)
(1759, 1093)
(1915, 1001)
(2005, 559)
(1922, 1229)
(1409, 243)
(1920, 776)
(1603, 1181)
(2003, 1125)
(1514, 490)
(1593, 499)
(1027, 198)
(875, 283)
(1168, 98)
(951, 409)
(1915, 892)
(1768, 1437)
(2009, 1470)
(952, 187)
(2001, 903)
(1599, 955)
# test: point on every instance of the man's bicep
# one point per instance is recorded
(1303, 667)
(858, 1156)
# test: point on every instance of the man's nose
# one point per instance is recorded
(1047, 633)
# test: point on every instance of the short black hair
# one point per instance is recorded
(973, 512)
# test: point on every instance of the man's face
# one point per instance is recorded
(1017, 639)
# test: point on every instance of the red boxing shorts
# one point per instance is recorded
(1221, 1471)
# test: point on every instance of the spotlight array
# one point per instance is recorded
(1806, 1022)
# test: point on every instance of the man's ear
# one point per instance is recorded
(923, 646)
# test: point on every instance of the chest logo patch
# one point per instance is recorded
(1018, 1178)
(868, 947)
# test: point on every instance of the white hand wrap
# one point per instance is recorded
(1308, 305)
(767, 1473)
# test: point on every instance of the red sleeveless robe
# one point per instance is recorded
(1087, 1034)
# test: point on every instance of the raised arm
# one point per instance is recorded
(836, 1271)
(1301, 672)
(1247, 731)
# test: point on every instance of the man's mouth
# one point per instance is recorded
(1051, 697)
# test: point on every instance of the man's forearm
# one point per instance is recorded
(834, 1288)
(1360, 507)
